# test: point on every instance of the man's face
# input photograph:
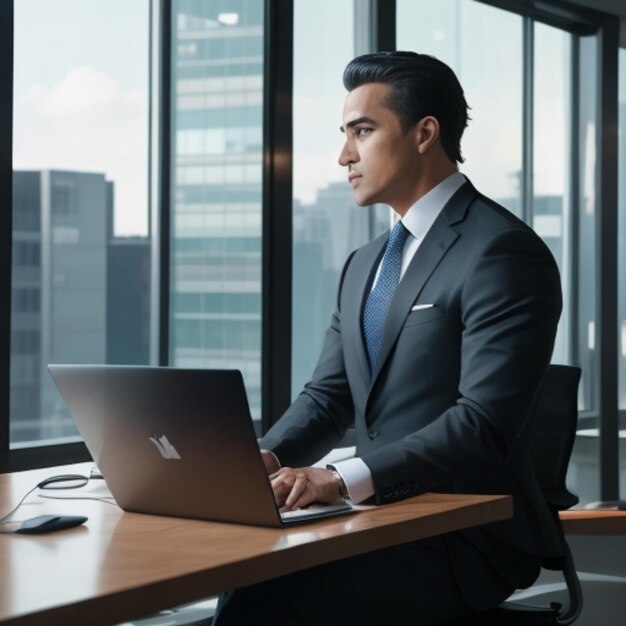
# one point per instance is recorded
(383, 161)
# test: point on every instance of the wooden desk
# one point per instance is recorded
(593, 522)
(120, 566)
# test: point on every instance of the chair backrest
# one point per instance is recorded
(553, 430)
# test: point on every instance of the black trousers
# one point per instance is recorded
(410, 584)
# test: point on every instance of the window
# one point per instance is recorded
(586, 340)
(551, 203)
(518, 76)
(216, 172)
(327, 224)
(80, 277)
(478, 42)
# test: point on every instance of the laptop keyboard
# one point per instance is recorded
(314, 511)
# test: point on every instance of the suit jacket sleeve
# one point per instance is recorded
(320, 415)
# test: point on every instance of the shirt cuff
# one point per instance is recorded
(357, 478)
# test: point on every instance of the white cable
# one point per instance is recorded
(106, 499)
(4, 519)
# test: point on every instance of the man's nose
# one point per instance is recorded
(347, 155)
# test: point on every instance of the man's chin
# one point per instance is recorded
(362, 200)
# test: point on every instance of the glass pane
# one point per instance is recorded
(483, 45)
(217, 121)
(583, 473)
(81, 251)
(587, 332)
(551, 206)
(327, 224)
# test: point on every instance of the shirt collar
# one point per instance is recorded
(421, 215)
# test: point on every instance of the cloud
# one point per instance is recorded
(87, 121)
(84, 93)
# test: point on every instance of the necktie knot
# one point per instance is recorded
(397, 238)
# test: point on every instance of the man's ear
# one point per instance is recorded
(426, 133)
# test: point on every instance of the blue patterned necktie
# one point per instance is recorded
(379, 300)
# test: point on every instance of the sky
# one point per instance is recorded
(323, 45)
(81, 92)
(81, 95)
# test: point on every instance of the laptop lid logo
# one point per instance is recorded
(167, 450)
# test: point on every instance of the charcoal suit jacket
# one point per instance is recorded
(447, 406)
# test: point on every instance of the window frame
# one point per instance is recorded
(20, 457)
(277, 223)
(375, 29)
(6, 221)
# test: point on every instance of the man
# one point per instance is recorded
(442, 334)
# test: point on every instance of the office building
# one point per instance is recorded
(216, 189)
(79, 294)
(59, 287)
(128, 301)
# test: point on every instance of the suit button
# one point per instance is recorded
(372, 434)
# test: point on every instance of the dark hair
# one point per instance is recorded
(421, 85)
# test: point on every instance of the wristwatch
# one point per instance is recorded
(343, 490)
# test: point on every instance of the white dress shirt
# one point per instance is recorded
(417, 220)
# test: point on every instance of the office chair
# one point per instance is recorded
(553, 429)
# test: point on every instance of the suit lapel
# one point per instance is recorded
(362, 270)
(433, 248)
(436, 244)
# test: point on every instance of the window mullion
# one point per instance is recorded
(606, 245)
(277, 212)
(159, 171)
(6, 220)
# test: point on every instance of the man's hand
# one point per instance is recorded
(298, 487)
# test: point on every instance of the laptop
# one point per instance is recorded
(177, 442)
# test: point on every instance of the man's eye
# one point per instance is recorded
(360, 132)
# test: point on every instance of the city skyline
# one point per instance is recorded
(43, 330)
(93, 114)
(60, 101)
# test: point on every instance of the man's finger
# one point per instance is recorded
(282, 483)
(299, 487)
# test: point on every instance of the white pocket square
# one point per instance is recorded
(419, 307)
